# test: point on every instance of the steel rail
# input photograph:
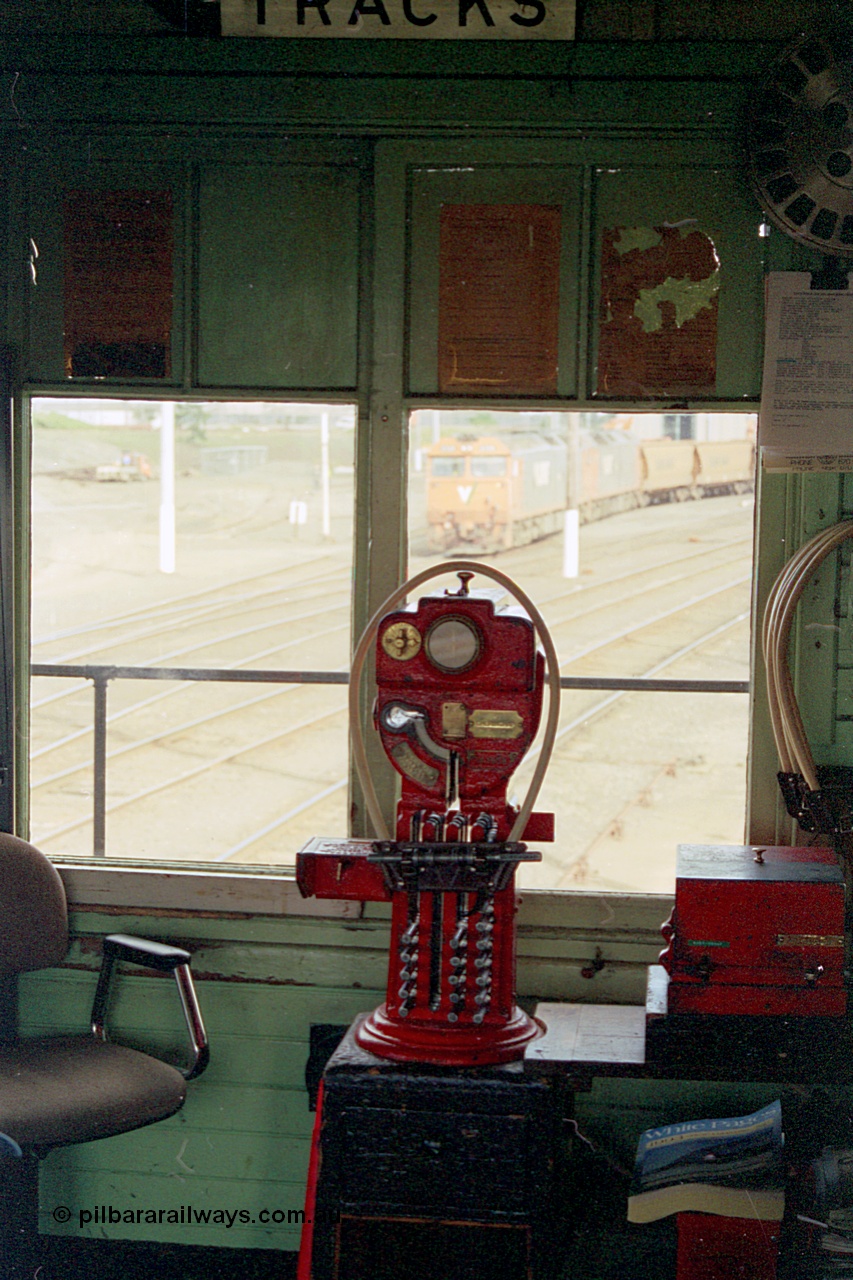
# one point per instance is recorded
(626, 574)
(101, 674)
(211, 643)
(70, 669)
(196, 620)
(621, 685)
(193, 599)
(195, 772)
(638, 593)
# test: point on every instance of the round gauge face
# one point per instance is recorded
(401, 640)
(452, 644)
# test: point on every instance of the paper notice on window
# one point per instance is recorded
(806, 417)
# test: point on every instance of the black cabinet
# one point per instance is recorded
(437, 1173)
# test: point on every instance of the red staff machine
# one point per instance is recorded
(459, 699)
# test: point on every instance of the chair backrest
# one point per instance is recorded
(33, 911)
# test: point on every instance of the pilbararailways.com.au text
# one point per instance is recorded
(188, 1215)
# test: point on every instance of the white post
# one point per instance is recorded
(571, 544)
(324, 474)
(571, 525)
(167, 488)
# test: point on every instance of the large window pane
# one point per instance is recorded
(656, 583)
(204, 536)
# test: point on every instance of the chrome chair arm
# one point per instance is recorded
(162, 958)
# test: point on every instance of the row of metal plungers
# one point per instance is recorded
(451, 976)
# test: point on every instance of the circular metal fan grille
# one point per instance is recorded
(801, 144)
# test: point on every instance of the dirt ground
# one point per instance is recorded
(651, 771)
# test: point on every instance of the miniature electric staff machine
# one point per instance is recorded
(459, 700)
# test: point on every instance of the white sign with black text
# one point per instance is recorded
(401, 19)
(806, 418)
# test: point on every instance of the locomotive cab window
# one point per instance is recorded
(446, 466)
(483, 468)
(633, 534)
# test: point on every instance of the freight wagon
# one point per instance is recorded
(488, 494)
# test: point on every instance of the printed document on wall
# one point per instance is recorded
(806, 417)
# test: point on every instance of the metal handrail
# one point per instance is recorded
(101, 674)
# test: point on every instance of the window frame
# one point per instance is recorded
(384, 404)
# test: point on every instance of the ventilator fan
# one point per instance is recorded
(801, 143)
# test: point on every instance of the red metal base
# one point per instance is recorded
(465, 1047)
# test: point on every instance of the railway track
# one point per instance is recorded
(638, 589)
(212, 773)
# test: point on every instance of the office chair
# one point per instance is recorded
(58, 1090)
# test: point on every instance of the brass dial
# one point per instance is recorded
(401, 640)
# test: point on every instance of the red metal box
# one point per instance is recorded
(756, 930)
(715, 1248)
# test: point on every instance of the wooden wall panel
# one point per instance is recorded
(241, 1140)
(278, 277)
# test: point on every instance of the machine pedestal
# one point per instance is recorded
(426, 1171)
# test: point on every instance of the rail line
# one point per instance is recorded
(644, 682)
(574, 604)
(57, 744)
(195, 620)
(174, 605)
(214, 641)
(584, 717)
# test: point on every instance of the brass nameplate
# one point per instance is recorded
(454, 719)
(496, 724)
(809, 940)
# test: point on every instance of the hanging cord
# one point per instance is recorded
(792, 745)
(365, 646)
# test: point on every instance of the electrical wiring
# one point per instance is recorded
(365, 646)
(792, 745)
(791, 741)
(806, 564)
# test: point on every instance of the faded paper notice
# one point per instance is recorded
(118, 284)
(658, 327)
(806, 417)
(499, 299)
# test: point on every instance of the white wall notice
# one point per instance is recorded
(806, 417)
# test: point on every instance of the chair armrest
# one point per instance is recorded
(153, 955)
(165, 959)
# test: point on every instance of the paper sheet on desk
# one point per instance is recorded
(806, 417)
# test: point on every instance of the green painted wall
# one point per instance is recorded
(241, 1140)
(376, 138)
